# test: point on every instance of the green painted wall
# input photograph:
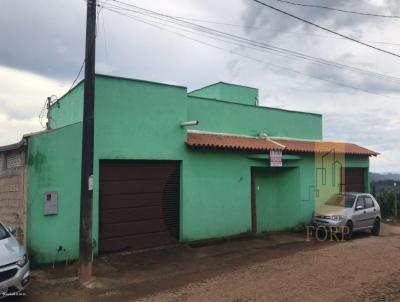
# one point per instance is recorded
(278, 198)
(54, 165)
(216, 195)
(228, 92)
(219, 116)
(69, 108)
(136, 120)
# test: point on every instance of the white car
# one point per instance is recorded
(353, 211)
(14, 264)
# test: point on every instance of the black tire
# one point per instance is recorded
(376, 228)
(349, 234)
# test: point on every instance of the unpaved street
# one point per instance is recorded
(279, 267)
(367, 268)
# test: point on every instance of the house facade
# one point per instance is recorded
(172, 166)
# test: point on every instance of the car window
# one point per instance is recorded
(3, 232)
(369, 203)
(350, 198)
(360, 202)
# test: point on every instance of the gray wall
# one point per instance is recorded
(13, 191)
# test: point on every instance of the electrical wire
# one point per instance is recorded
(277, 50)
(77, 77)
(151, 23)
(244, 26)
(339, 9)
(47, 103)
(327, 29)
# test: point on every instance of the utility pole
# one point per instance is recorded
(85, 235)
(395, 201)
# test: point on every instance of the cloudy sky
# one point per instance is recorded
(42, 50)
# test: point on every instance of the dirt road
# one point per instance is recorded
(280, 267)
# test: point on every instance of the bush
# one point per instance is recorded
(385, 198)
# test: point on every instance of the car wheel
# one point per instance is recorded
(376, 228)
(349, 226)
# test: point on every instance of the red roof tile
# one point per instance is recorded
(224, 141)
(221, 141)
(324, 146)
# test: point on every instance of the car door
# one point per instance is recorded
(359, 214)
(371, 211)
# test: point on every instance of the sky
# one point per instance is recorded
(42, 50)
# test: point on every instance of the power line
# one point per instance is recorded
(338, 9)
(244, 26)
(77, 77)
(151, 23)
(271, 29)
(264, 46)
(327, 29)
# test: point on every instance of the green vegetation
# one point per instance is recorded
(384, 192)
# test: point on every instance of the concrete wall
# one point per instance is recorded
(13, 191)
(68, 109)
(54, 166)
(229, 93)
(220, 116)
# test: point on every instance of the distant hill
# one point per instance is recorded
(375, 177)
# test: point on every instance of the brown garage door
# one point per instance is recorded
(353, 179)
(139, 204)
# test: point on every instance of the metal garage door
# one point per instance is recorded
(353, 179)
(139, 204)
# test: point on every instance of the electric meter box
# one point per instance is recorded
(50, 203)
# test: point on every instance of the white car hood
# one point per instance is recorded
(10, 251)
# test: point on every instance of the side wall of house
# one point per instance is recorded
(137, 120)
(13, 194)
(68, 110)
(54, 160)
(219, 116)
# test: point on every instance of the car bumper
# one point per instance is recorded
(329, 224)
(15, 283)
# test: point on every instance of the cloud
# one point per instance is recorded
(45, 47)
(44, 37)
(22, 95)
(257, 15)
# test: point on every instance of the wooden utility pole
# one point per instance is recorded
(85, 236)
(395, 201)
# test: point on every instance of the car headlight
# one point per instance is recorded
(23, 261)
(337, 217)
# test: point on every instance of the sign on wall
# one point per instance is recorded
(275, 158)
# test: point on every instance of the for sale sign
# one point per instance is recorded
(275, 158)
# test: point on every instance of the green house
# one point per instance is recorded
(176, 166)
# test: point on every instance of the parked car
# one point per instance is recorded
(14, 264)
(355, 211)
